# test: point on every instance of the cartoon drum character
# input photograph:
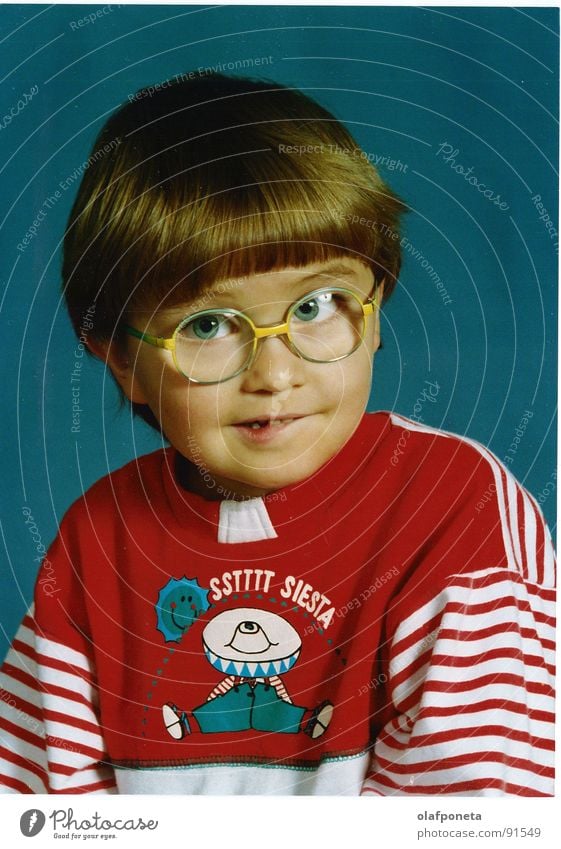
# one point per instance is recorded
(253, 648)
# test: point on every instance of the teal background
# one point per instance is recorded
(405, 80)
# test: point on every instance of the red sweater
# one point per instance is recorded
(385, 626)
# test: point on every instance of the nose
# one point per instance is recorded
(274, 369)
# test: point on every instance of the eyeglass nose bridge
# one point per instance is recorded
(271, 330)
(260, 333)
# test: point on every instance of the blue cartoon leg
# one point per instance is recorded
(230, 712)
(271, 713)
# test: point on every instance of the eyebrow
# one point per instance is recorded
(333, 269)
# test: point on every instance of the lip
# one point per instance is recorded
(268, 417)
(275, 427)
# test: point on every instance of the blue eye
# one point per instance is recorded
(207, 327)
(321, 307)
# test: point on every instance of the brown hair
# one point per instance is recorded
(208, 177)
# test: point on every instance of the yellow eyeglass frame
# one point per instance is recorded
(259, 332)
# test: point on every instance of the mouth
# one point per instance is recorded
(177, 624)
(267, 421)
(265, 429)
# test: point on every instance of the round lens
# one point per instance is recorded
(213, 345)
(326, 325)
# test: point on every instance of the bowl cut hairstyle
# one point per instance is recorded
(208, 178)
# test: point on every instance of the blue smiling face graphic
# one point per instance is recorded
(180, 602)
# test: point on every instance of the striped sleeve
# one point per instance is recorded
(50, 738)
(472, 677)
(470, 660)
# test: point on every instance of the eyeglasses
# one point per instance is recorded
(215, 345)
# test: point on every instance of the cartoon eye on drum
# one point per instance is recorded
(253, 649)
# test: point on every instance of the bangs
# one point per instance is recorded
(254, 226)
(216, 180)
(235, 235)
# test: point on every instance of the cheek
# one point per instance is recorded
(355, 377)
(199, 410)
(168, 395)
(171, 399)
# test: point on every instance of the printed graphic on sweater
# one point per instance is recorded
(253, 648)
(180, 602)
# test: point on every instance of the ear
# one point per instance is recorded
(379, 293)
(122, 367)
(378, 298)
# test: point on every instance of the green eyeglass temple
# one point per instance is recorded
(281, 329)
(157, 341)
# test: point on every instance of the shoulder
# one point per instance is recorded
(131, 487)
(414, 438)
(475, 513)
(415, 452)
(440, 456)
(95, 531)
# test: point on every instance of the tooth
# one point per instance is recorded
(270, 423)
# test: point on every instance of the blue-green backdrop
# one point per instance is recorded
(475, 311)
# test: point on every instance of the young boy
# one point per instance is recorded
(295, 597)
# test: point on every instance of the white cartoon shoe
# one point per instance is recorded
(319, 720)
(175, 721)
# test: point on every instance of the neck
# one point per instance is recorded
(192, 478)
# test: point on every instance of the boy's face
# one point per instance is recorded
(313, 408)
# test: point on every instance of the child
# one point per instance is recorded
(293, 583)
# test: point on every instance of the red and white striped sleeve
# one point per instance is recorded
(50, 739)
(471, 669)
(471, 677)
